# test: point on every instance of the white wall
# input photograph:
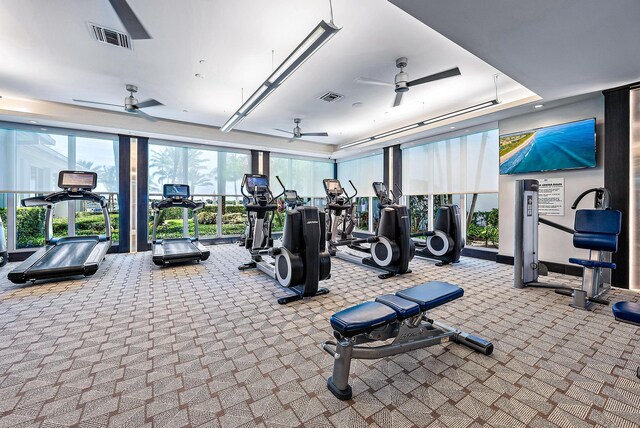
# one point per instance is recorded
(554, 245)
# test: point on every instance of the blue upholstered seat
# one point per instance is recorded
(362, 318)
(431, 294)
(389, 308)
(592, 263)
(627, 311)
(405, 308)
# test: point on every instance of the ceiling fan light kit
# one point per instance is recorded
(430, 121)
(314, 41)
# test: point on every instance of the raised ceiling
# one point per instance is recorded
(49, 54)
(556, 48)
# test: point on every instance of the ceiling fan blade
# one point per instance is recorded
(370, 81)
(145, 115)
(314, 134)
(129, 20)
(96, 102)
(149, 103)
(282, 130)
(398, 99)
(436, 76)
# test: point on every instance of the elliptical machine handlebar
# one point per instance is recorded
(284, 189)
(396, 197)
(602, 198)
(354, 189)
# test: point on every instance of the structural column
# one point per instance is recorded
(617, 172)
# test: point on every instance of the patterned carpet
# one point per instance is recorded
(207, 345)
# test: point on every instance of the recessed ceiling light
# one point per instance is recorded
(200, 76)
(357, 105)
(466, 130)
(44, 129)
(538, 106)
(452, 127)
(32, 121)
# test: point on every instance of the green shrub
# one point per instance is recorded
(230, 209)
(233, 218)
(207, 217)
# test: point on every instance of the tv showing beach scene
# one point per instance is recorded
(567, 146)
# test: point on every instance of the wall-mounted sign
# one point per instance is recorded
(551, 196)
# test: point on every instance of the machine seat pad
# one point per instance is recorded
(592, 263)
(431, 294)
(405, 308)
(627, 311)
(362, 318)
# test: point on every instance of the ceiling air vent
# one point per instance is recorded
(331, 97)
(109, 36)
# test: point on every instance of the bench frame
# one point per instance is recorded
(409, 334)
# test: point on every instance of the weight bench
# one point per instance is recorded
(401, 316)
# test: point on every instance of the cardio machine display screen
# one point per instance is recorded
(333, 187)
(254, 182)
(77, 180)
(175, 191)
(380, 189)
(291, 195)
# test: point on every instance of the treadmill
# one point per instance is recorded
(177, 250)
(72, 255)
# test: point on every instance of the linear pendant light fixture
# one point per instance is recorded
(425, 122)
(314, 41)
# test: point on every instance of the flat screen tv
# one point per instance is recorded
(567, 146)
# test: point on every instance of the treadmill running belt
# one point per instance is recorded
(64, 256)
(173, 249)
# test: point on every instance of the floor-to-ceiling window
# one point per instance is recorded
(362, 172)
(460, 170)
(302, 175)
(214, 177)
(32, 157)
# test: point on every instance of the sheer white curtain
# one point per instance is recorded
(302, 175)
(462, 164)
(363, 172)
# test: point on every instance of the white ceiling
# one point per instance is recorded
(53, 57)
(556, 48)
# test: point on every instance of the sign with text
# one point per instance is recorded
(551, 196)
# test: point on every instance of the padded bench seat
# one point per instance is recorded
(592, 263)
(627, 312)
(368, 316)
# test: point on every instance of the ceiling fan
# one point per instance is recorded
(297, 132)
(402, 82)
(129, 19)
(131, 103)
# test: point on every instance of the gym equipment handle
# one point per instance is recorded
(325, 347)
(556, 225)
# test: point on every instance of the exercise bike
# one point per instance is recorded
(302, 261)
(390, 250)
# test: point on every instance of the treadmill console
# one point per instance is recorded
(332, 187)
(76, 181)
(175, 191)
(256, 183)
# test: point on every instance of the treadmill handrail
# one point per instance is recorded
(64, 196)
(177, 203)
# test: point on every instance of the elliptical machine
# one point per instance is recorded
(390, 250)
(445, 242)
(302, 261)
